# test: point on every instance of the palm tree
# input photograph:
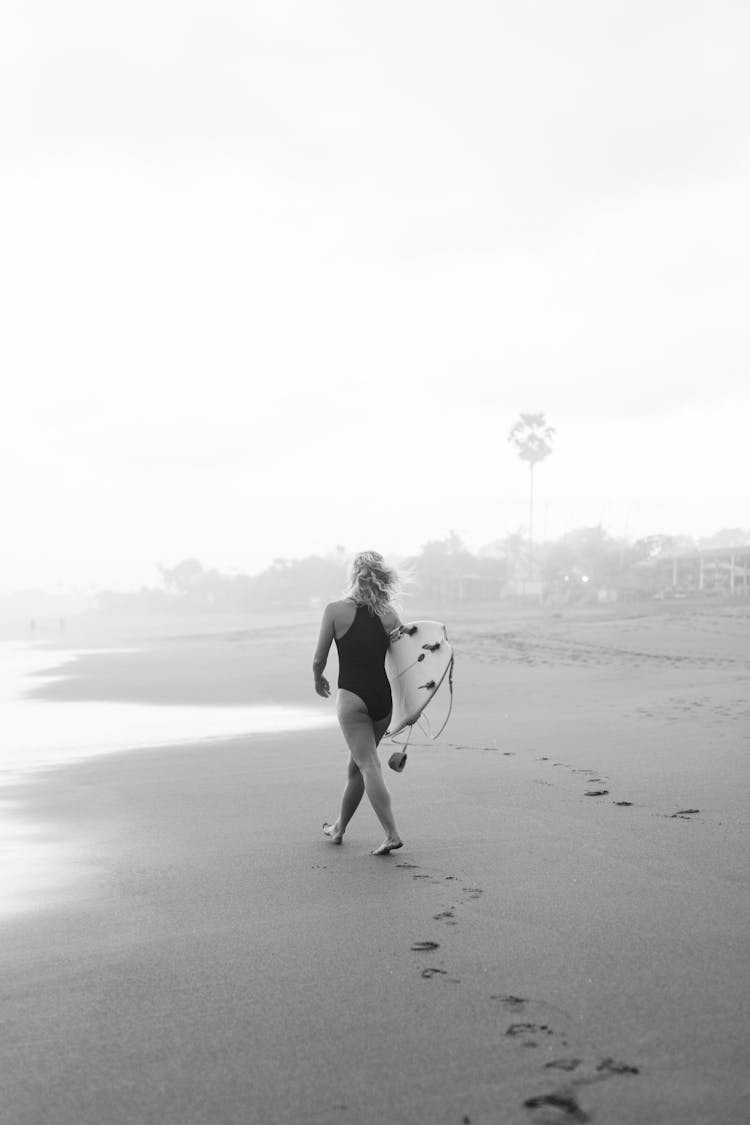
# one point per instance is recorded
(532, 437)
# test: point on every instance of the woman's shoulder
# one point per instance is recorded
(340, 615)
(343, 607)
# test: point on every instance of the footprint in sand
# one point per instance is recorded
(605, 1069)
(428, 973)
(448, 916)
(564, 1101)
(563, 1064)
(623, 804)
(610, 1066)
(682, 813)
(403, 864)
(517, 1030)
(512, 1003)
(596, 792)
(473, 892)
(425, 946)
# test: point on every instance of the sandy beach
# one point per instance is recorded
(563, 938)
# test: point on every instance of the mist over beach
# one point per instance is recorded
(464, 285)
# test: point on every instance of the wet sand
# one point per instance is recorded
(561, 939)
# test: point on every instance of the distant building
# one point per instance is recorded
(710, 570)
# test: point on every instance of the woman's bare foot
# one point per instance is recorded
(332, 832)
(390, 844)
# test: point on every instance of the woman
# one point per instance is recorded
(361, 624)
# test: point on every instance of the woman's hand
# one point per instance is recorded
(322, 687)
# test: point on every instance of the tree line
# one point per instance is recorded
(580, 562)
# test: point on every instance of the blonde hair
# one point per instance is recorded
(372, 582)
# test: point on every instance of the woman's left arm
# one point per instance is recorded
(325, 640)
(392, 624)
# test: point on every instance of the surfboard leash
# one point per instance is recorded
(424, 715)
(450, 705)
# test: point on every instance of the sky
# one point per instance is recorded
(281, 276)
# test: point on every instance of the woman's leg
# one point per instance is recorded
(353, 793)
(362, 737)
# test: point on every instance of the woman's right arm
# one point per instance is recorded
(320, 659)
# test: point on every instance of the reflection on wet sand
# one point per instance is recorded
(42, 734)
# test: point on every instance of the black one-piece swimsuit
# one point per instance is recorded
(362, 652)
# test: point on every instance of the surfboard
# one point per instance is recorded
(419, 658)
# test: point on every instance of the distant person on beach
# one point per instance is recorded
(361, 625)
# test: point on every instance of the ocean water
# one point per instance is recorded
(40, 734)
(40, 862)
